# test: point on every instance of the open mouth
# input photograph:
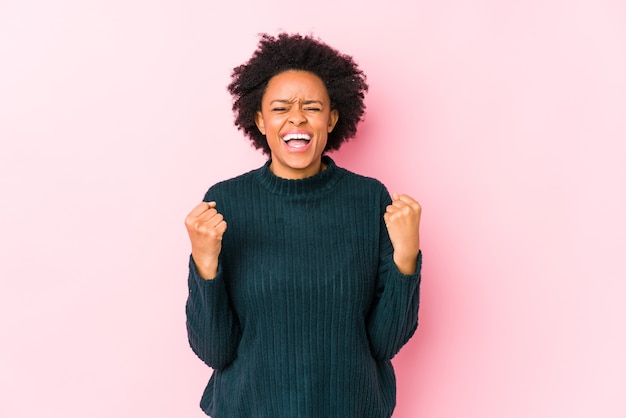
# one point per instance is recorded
(297, 141)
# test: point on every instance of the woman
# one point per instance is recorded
(303, 277)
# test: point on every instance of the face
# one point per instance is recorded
(296, 119)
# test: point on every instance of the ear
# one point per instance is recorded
(260, 123)
(333, 119)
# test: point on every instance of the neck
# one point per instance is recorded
(298, 174)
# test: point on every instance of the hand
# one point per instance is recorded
(205, 226)
(402, 219)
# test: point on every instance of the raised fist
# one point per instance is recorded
(205, 226)
(402, 219)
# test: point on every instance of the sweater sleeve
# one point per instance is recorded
(212, 327)
(392, 320)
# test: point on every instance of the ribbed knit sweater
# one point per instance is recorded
(307, 308)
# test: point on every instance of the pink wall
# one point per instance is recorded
(507, 120)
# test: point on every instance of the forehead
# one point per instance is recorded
(294, 84)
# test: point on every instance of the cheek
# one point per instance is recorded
(274, 123)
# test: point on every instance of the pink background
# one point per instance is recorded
(506, 119)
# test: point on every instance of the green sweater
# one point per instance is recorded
(307, 308)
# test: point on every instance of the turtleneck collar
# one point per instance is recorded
(320, 182)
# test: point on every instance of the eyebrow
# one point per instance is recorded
(305, 102)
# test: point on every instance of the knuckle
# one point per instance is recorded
(202, 228)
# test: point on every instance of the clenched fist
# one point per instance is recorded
(402, 219)
(205, 226)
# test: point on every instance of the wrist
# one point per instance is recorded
(405, 264)
(207, 269)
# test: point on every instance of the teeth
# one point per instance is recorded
(289, 137)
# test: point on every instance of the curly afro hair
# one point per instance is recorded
(345, 82)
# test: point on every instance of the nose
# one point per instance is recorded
(296, 115)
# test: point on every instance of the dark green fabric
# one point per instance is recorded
(308, 308)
